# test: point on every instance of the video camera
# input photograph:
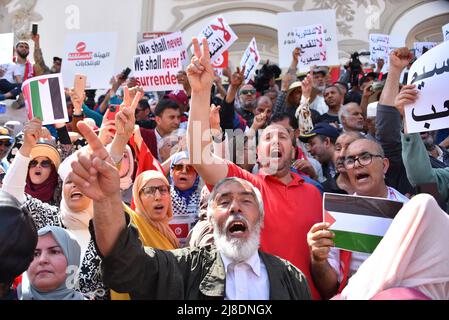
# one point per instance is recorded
(264, 75)
(355, 67)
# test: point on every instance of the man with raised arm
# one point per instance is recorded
(291, 205)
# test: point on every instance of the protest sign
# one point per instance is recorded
(45, 99)
(379, 47)
(157, 72)
(430, 74)
(310, 39)
(219, 37)
(170, 42)
(445, 29)
(423, 47)
(250, 60)
(145, 36)
(6, 47)
(289, 22)
(90, 54)
(222, 61)
(359, 223)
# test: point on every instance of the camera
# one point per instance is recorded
(264, 75)
(355, 66)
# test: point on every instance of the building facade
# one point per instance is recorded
(414, 20)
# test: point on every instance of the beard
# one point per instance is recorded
(22, 55)
(237, 250)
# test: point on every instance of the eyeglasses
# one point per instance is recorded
(151, 191)
(364, 159)
(250, 91)
(43, 164)
(5, 143)
(180, 167)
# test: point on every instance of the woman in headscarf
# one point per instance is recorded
(42, 177)
(42, 181)
(55, 264)
(185, 193)
(126, 171)
(153, 211)
(74, 213)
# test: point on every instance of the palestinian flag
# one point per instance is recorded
(45, 99)
(359, 223)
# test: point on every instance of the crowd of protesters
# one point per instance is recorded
(222, 185)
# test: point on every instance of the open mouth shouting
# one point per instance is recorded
(237, 228)
(76, 195)
(362, 177)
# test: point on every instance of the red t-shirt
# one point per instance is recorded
(290, 211)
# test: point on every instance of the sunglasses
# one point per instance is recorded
(5, 143)
(180, 168)
(43, 164)
(250, 91)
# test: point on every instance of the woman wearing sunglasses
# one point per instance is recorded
(185, 185)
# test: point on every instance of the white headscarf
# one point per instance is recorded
(413, 254)
(73, 220)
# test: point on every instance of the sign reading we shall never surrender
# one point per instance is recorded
(157, 72)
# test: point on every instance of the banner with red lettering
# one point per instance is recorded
(157, 72)
(170, 42)
(90, 54)
(219, 37)
(250, 60)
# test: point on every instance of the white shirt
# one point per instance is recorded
(357, 258)
(11, 70)
(246, 280)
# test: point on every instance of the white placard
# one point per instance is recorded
(289, 21)
(430, 74)
(310, 39)
(379, 47)
(91, 54)
(170, 42)
(219, 37)
(6, 47)
(423, 46)
(250, 60)
(445, 29)
(157, 72)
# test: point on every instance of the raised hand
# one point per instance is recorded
(237, 77)
(200, 71)
(296, 54)
(76, 101)
(32, 133)
(94, 173)
(125, 119)
(400, 58)
(307, 85)
(107, 131)
(214, 117)
(407, 95)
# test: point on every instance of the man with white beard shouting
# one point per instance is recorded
(233, 269)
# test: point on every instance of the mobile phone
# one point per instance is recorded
(113, 109)
(34, 29)
(79, 85)
(125, 73)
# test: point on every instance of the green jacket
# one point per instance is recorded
(191, 273)
(418, 167)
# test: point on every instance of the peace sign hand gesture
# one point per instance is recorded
(200, 71)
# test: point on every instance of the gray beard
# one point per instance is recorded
(237, 250)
